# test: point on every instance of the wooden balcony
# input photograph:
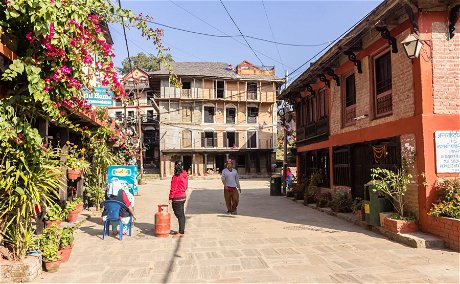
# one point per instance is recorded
(314, 130)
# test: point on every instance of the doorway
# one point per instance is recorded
(220, 163)
(187, 163)
(359, 169)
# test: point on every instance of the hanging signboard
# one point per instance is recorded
(447, 151)
(100, 97)
(126, 174)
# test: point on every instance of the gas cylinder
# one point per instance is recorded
(162, 221)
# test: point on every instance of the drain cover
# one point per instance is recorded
(309, 228)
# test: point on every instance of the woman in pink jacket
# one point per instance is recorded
(177, 195)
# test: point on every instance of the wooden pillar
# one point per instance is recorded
(205, 163)
(193, 165)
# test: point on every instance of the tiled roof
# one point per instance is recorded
(208, 69)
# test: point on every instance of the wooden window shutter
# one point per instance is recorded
(215, 139)
(203, 140)
(225, 139)
(237, 139)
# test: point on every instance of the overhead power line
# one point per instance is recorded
(236, 36)
(231, 18)
(223, 32)
(332, 42)
(273, 34)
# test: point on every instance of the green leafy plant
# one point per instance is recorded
(341, 202)
(448, 203)
(55, 213)
(392, 184)
(66, 239)
(357, 205)
(311, 191)
(50, 252)
(75, 158)
(323, 199)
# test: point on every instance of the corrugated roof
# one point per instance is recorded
(208, 69)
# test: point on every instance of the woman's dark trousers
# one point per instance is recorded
(178, 208)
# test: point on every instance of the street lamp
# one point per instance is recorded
(412, 46)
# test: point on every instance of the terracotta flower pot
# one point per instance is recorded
(48, 223)
(73, 174)
(79, 208)
(73, 216)
(400, 226)
(51, 266)
(65, 253)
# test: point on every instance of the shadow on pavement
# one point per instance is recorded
(257, 203)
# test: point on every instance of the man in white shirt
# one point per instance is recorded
(231, 183)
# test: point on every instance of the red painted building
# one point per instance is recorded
(365, 104)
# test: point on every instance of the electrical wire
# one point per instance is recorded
(219, 30)
(273, 34)
(333, 42)
(231, 18)
(235, 36)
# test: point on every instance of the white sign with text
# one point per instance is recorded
(447, 151)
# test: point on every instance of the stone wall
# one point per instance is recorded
(20, 271)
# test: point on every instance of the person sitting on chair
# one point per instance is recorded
(116, 192)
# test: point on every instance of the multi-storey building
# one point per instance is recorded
(365, 104)
(220, 112)
(140, 109)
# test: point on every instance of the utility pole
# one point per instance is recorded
(285, 141)
(141, 136)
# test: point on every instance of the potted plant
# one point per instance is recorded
(341, 202)
(357, 208)
(311, 191)
(448, 203)
(394, 185)
(75, 162)
(66, 243)
(48, 243)
(323, 199)
(54, 215)
(51, 257)
(71, 211)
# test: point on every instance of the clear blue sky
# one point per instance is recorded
(298, 22)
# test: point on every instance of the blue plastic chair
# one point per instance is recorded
(112, 208)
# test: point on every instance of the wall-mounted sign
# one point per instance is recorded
(447, 151)
(100, 97)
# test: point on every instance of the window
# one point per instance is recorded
(252, 139)
(349, 110)
(150, 116)
(383, 85)
(187, 112)
(209, 113)
(230, 139)
(230, 114)
(311, 113)
(219, 88)
(118, 116)
(209, 139)
(186, 85)
(186, 89)
(118, 102)
(241, 161)
(186, 138)
(131, 114)
(252, 91)
(253, 113)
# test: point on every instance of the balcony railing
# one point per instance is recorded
(252, 96)
(150, 118)
(230, 120)
(209, 143)
(186, 93)
(252, 119)
(313, 129)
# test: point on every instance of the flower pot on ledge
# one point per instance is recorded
(65, 253)
(400, 226)
(48, 223)
(79, 208)
(51, 266)
(73, 174)
(72, 216)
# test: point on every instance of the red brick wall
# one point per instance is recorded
(446, 70)
(446, 228)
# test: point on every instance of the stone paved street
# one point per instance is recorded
(271, 240)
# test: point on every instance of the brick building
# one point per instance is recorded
(365, 104)
(140, 108)
(220, 112)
